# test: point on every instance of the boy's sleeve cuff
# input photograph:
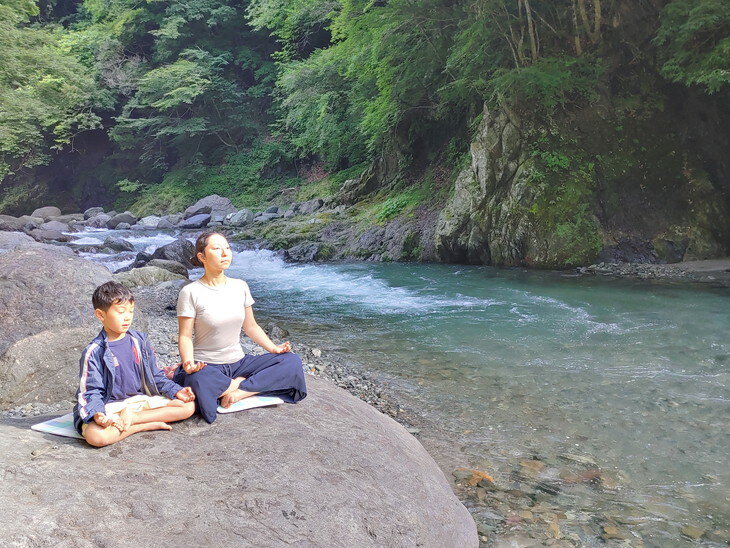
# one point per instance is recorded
(174, 391)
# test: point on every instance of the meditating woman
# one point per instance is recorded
(211, 312)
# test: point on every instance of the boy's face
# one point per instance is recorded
(117, 319)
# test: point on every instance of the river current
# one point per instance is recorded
(512, 364)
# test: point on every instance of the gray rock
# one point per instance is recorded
(334, 472)
(124, 226)
(18, 240)
(46, 212)
(147, 275)
(68, 218)
(208, 204)
(174, 218)
(29, 223)
(196, 221)
(93, 212)
(629, 250)
(264, 217)
(239, 218)
(117, 244)
(111, 213)
(181, 251)
(304, 252)
(172, 266)
(9, 223)
(151, 221)
(98, 221)
(43, 367)
(120, 218)
(164, 223)
(307, 208)
(272, 209)
(45, 235)
(217, 216)
(137, 227)
(293, 210)
(58, 226)
(41, 289)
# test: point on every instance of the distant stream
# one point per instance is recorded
(512, 364)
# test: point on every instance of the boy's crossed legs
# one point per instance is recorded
(136, 414)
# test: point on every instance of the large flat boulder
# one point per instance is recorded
(330, 471)
(43, 289)
(18, 240)
(43, 367)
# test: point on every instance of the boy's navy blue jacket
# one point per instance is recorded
(97, 376)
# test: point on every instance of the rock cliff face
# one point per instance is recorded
(330, 471)
(593, 196)
(484, 222)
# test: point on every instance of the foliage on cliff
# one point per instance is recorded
(241, 97)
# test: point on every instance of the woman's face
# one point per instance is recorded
(217, 254)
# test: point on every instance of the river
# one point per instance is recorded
(631, 377)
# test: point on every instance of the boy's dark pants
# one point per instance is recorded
(269, 374)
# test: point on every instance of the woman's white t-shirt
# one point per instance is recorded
(219, 313)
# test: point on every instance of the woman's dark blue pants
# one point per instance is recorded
(269, 374)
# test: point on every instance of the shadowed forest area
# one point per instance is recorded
(613, 116)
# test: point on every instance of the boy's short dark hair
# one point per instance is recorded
(109, 293)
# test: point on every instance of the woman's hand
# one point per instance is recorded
(282, 348)
(191, 367)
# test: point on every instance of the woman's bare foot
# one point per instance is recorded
(232, 397)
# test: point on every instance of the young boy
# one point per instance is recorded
(121, 388)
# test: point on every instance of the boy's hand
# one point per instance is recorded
(282, 348)
(102, 420)
(191, 367)
(186, 395)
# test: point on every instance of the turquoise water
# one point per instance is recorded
(512, 364)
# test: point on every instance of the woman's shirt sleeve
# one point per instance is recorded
(247, 298)
(185, 304)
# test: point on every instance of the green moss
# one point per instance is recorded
(328, 186)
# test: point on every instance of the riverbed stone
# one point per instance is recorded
(46, 212)
(42, 289)
(118, 244)
(147, 275)
(45, 235)
(29, 223)
(18, 240)
(172, 266)
(181, 251)
(126, 217)
(150, 221)
(239, 218)
(124, 226)
(98, 221)
(196, 221)
(93, 212)
(68, 218)
(165, 224)
(57, 226)
(329, 471)
(9, 223)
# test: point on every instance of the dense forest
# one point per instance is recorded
(536, 132)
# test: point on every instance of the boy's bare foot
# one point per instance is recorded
(126, 419)
(145, 426)
(232, 397)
